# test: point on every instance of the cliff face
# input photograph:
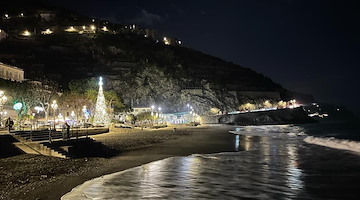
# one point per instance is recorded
(152, 85)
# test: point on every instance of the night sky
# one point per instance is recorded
(306, 46)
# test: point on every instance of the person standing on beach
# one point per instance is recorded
(66, 131)
(9, 123)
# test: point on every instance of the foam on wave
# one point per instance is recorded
(334, 143)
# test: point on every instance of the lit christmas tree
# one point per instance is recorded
(101, 117)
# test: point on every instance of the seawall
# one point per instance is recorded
(272, 117)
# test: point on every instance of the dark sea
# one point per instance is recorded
(311, 161)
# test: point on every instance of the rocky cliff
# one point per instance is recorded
(280, 116)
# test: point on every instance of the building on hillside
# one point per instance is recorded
(46, 15)
(140, 109)
(12, 73)
(171, 41)
(3, 35)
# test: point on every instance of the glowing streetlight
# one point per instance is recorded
(105, 29)
(166, 41)
(72, 114)
(54, 106)
(46, 32)
(84, 114)
(70, 29)
(152, 110)
(26, 33)
(38, 109)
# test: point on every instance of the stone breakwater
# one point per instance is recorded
(272, 117)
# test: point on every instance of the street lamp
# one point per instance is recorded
(152, 115)
(3, 99)
(72, 115)
(160, 114)
(54, 106)
(84, 112)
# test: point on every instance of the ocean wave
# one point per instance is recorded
(267, 134)
(334, 143)
(296, 134)
(206, 156)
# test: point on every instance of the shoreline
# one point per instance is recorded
(137, 147)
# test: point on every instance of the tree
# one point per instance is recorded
(76, 101)
(22, 93)
(44, 91)
(89, 88)
(145, 116)
(114, 101)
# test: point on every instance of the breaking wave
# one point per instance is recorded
(334, 143)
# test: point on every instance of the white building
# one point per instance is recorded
(3, 35)
(138, 110)
(12, 73)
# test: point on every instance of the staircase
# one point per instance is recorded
(37, 142)
(78, 148)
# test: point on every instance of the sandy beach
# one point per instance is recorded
(40, 177)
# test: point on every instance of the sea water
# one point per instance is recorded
(268, 162)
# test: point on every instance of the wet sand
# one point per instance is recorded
(41, 177)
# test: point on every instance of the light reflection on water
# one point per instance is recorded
(264, 168)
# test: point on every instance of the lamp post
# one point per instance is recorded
(160, 114)
(84, 114)
(72, 117)
(54, 106)
(3, 99)
(152, 115)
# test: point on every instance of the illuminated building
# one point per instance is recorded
(11, 73)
